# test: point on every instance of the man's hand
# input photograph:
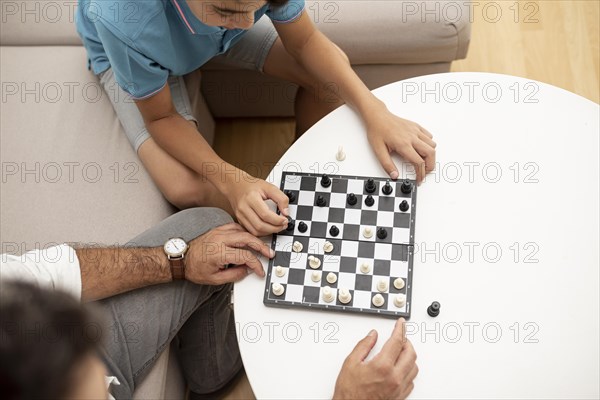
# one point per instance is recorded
(389, 375)
(223, 255)
(247, 197)
(388, 132)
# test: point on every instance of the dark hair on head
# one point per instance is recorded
(43, 336)
(277, 2)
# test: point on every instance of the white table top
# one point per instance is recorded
(506, 240)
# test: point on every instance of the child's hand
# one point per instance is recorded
(388, 132)
(247, 197)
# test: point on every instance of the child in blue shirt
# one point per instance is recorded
(145, 46)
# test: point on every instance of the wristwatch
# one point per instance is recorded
(175, 249)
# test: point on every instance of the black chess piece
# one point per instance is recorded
(381, 233)
(434, 309)
(369, 201)
(302, 227)
(403, 206)
(370, 185)
(325, 181)
(291, 224)
(321, 202)
(406, 187)
(352, 199)
(291, 195)
(334, 230)
(387, 188)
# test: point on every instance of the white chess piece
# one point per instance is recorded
(344, 296)
(368, 232)
(398, 283)
(382, 285)
(340, 155)
(316, 276)
(328, 247)
(279, 271)
(365, 267)
(314, 262)
(331, 278)
(278, 289)
(328, 294)
(378, 300)
(297, 246)
(400, 300)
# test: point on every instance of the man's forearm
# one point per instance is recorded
(321, 58)
(181, 140)
(106, 272)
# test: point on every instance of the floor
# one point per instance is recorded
(556, 42)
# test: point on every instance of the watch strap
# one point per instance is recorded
(177, 268)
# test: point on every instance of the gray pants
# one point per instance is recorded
(196, 317)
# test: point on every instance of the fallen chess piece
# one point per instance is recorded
(434, 309)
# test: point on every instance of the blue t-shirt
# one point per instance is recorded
(145, 41)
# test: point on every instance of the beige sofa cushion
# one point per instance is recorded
(68, 171)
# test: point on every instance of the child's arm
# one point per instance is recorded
(386, 132)
(246, 194)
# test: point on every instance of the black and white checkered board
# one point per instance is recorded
(390, 258)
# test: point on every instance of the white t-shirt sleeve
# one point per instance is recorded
(56, 268)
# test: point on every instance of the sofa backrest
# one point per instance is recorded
(424, 31)
(38, 23)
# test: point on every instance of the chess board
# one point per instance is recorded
(389, 258)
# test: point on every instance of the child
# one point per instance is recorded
(145, 46)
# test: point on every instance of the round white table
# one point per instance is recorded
(506, 240)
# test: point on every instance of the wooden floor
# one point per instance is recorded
(556, 42)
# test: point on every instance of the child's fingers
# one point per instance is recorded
(426, 132)
(383, 155)
(428, 154)
(258, 227)
(427, 140)
(278, 197)
(267, 215)
(415, 159)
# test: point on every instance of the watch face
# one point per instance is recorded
(175, 247)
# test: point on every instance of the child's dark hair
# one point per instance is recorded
(277, 2)
(43, 336)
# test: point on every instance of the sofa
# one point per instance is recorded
(68, 172)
